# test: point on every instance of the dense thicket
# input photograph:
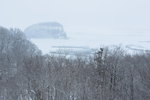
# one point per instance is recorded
(26, 74)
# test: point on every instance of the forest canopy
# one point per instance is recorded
(110, 74)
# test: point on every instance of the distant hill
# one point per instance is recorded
(46, 30)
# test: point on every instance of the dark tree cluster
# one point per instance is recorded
(112, 74)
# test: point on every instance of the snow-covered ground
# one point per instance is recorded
(133, 41)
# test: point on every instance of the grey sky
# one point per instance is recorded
(79, 15)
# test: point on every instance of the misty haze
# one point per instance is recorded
(74, 50)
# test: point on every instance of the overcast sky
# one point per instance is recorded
(79, 15)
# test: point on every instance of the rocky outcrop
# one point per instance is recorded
(46, 30)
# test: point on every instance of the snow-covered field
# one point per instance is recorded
(132, 42)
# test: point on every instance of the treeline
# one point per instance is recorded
(110, 74)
